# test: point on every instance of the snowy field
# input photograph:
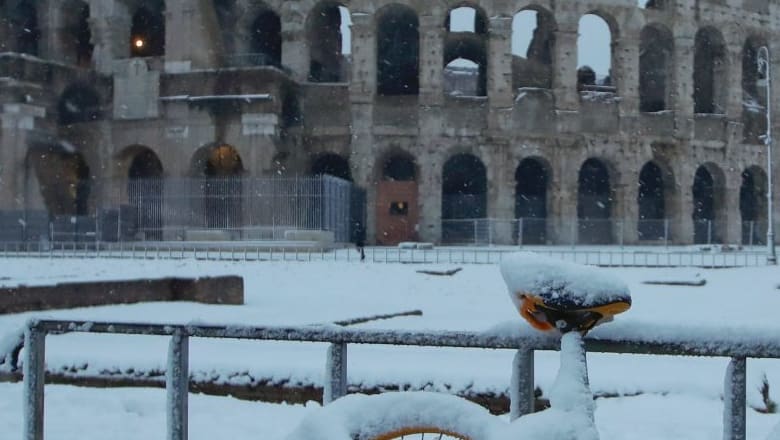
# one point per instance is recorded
(658, 396)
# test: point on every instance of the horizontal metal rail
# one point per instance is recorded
(303, 252)
(687, 342)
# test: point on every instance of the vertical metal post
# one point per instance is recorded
(709, 231)
(734, 400)
(177, 379)
(520, 231)
(666, 232)
(522, 384)
(335, 373)
(765, 66)
(34, 376)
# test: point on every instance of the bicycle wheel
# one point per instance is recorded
(398, 415)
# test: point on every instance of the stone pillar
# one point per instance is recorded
(682, 85)
(110, 22)
(19, 188)
(501, 194)
(682, 223)
(50, 23)
(733, 94)
(625, 210)
(728, 216)
(563, 202)
(295, 48)
(625, 71)
(564, 82)
(193, 39)
(499, 80)
(430, 197)
(431, 61)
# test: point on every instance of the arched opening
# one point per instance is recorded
(464, 198)
(655, 54)
(753, 93)
(594, 52)
(652, 204)
(533, 39)
(145, 192)
(465, 53)
(78, 103)
(220, 169)
(531, 181)
(24, 22)
(704, 207)
(752, 206)
(332, 165)
(397, 210)
(329, 43)
(651, 4)
(77, 36)
(594, 204)
(266, 38)
(147, 32)
(709, 72)
(64, 179)
(398, 51)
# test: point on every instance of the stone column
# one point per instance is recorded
(564, 81)
(563, 201)
(429, 182)
(110, 22)
(733, 94)
(431, 61)
(50, 23)
(682, 85)
(625, 71)
(499, 80)
(501, 193)
(728, 215)
(295, 49)
(682, 224)
(625, 210)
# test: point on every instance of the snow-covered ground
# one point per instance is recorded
(678, 397)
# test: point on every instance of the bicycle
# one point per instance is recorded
(551, 296)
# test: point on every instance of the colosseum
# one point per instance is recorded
(438, 132)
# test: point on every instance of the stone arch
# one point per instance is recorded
(220, 203)
(23, 17)
(709, 72)
(651, 201)
(595, 49)
(325, 29)
(656, 49)
(77, 35)
(753, 92)
(594, 203)
(331, 164)
(465, 57)
(708, 195)
(532, 48)
(78, 103)
(753, 205)
(464, 196)
(398, 50)
(478, 26)
(145, 189)
(397, 206)
(64, 179)
(265, 37)
(653, 4)
(147, 29)
(532, 181)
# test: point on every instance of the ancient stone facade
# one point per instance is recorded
(126, 89)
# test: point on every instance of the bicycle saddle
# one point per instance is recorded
(551, 294)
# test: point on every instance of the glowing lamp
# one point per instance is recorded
(139, 43)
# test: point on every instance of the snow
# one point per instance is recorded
(680, 396)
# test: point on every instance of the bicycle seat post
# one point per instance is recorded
(571, 390)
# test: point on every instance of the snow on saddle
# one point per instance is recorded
(551, 294)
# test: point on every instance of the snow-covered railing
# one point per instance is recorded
(709, 256)
(615, 338)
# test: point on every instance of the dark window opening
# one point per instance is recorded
(752, 206)
(465, 60)
(64, 179)
(652, 4)
(332, 165)
(326, 44)
(654, 70)
(399, 168)
(531, 182)
(24, 19)
(266, 39)
(220, 168)
(594, 204)
(147, 34)
(703, 207)
(398, 52)
(78, 103)
(145, 194)
(753, 93)
(709, 70)
(651, 224)
(464, 197)
(399, 208)
(533, 38)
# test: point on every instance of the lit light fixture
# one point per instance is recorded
(139, 43)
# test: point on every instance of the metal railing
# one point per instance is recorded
(259, 251)
(619, 339)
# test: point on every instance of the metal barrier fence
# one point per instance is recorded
(708, 256)
(538, 231)
(684, 343)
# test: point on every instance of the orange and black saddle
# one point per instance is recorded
(561, 311)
